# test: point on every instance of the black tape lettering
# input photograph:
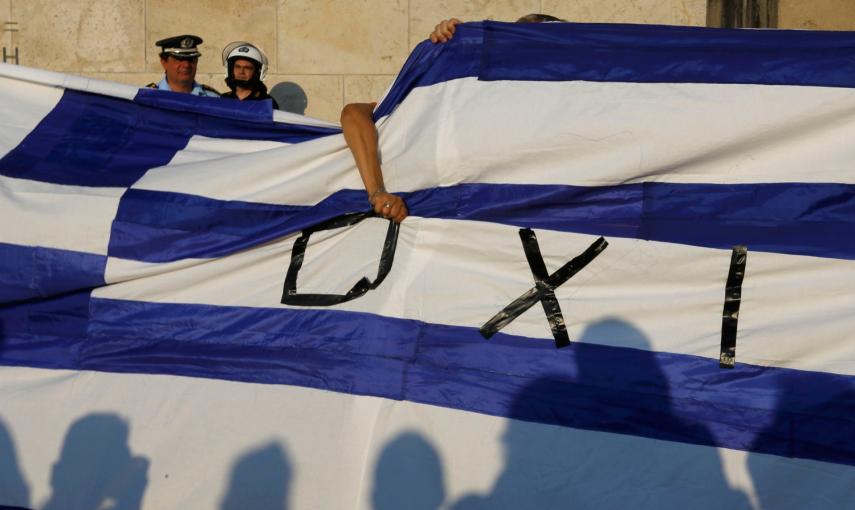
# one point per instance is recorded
(290, 296)
(732, 300)
(544, 289)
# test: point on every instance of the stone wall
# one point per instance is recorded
(337, 51)
(817, 14)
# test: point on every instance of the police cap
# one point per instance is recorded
(180, 46)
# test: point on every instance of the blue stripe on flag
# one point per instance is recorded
(45, 333)
(250, 111)
(790, 218)
(430, 63)
(93, 140)
(665, 54)
(493, 50)
(35, 271)
(666, 396)
(156, 226)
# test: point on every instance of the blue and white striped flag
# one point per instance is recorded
(146, 238)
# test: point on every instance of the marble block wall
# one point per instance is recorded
(817, 14)
(337, 51)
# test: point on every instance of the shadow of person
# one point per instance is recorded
(606, 436)
(805, 458)
(290, 97)
(96, 468)
(260, 479)
(14, 491)
(408, 475)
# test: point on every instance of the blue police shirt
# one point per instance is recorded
(197, 89)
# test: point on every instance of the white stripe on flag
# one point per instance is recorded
(462, 273)
(25, 105)
(594, 134)
(298, 174)
(203, 148)
(57, 216)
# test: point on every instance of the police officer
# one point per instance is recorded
(179, 56)
(246, 67)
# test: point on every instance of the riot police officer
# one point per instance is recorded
(246, 67)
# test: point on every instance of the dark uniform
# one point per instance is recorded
(182, 47)
(256, 95)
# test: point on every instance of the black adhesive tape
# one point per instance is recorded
(290, 296)
(553, 316)
(551, 308)
(533, 255)
(544, 289)
(732, 301)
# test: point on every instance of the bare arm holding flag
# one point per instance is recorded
(360, 133)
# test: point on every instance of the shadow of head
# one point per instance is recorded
(408, 475)
(259, 479)
(96, 465)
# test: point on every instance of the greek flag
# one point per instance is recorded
(626, 281)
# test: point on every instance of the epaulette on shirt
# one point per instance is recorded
(152, 85)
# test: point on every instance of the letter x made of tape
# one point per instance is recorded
(544, 288)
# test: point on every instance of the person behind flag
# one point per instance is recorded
(246, 67)
(179, 57)
(444, 30)
(360, 133)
